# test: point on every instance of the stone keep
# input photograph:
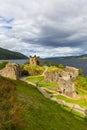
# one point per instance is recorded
(12, 70)
(34, 60)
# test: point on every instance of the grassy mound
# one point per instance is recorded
(32, 70)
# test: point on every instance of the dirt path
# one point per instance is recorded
(72, 106)
(46, 68)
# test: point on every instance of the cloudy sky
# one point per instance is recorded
(47, 28)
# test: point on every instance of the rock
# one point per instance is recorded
(12, 70)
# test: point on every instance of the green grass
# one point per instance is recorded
(81, 82)
(40, 81)
(80, 88)
(43, 114)
(33, 69)
(54, 69)
(35, 79)
(48, 84)
(81, 102)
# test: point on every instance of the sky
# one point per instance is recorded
(48, 28)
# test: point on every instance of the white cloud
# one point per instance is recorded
(47, 28)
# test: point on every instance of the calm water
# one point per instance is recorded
(16, 61)
(78, 63)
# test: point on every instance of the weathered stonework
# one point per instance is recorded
(12, 70)
(64, 79)
(72, 71)
(34, 60)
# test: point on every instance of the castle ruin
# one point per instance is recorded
(34, 60)
(65, 80)
(12, 70)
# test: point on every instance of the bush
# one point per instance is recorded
(60, 66)
(81, 82)
(80, 71)
(3, 64)
(46, 63)
(27, 62)
(9, 108)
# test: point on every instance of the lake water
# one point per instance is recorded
(16, 61)
(78, 63)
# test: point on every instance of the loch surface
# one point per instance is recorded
(78, 63)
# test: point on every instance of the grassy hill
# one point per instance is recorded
(7, 54)
(38, 112)
(43, 114)
(66, 57)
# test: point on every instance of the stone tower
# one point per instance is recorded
(34, 60)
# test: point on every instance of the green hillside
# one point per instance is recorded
(43, 114)
(7, 54)
(36, 112)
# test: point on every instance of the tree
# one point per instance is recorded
(60, 66)
(3, 64)
(80, 71)
(46, 63)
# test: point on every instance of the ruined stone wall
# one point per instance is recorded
(64, 79)
(72, 71)
(12, 70)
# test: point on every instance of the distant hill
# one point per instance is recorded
(67, 57)
(7, 54)
(83, 56)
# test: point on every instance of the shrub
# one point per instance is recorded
(23, 71)
(46, 63)
(60, 66)
(9, 108)
(3, 64)
(80, 71)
